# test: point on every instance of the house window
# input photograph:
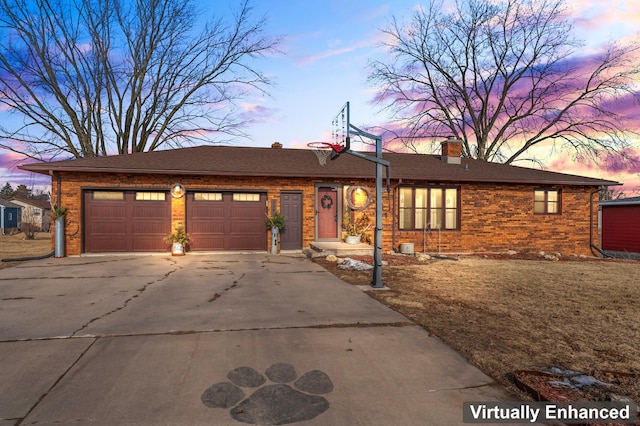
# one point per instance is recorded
(150, 196)
(240, 196)
(108, 195)
(546, 201)
(207, 196)
(9, 216)
(428, 208)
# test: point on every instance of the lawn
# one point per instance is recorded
(521, 314)
(15, 246)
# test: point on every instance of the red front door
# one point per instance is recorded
(327, 207)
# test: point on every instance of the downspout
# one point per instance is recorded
(2, 219)
(58, 189)
(393, 216)
(591, 244)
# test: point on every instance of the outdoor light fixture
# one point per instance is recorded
(358, 197)
(177, 190)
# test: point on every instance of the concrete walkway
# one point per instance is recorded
(216, 340)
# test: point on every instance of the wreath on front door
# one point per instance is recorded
(326, 201)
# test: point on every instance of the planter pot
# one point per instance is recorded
(274, 240)
(177, 249)
(59, 237)
(352, 239)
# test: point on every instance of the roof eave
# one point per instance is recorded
(37, 168)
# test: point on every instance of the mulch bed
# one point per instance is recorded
(598, 386)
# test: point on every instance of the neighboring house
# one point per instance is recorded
(9, 215)
(36, 212)
(438, 203)
(621, 226)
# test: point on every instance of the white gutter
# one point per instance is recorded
(2, 218)
(619, 203)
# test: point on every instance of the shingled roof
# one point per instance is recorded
(249, 161)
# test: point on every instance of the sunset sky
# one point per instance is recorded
(325, 49)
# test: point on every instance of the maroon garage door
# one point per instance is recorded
(621, 228)
(226, 221)
(126, 221)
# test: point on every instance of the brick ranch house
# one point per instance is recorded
(439, 203)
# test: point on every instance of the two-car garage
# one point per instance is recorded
(139, 220)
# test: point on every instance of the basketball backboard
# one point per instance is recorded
(340, 131)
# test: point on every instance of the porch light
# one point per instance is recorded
(358, 197)
(177, 190)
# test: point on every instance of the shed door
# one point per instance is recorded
(227, 221)
(126, 221)
(621, 228)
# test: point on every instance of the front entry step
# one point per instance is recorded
(337, 248)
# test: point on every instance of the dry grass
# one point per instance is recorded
(15, 246)
(507, 315)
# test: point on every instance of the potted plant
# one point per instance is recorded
(178, 240)
(356, 229)
(275, 223)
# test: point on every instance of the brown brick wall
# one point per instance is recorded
(499, 217)
(493, 217)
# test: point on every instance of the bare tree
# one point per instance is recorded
(504, 77)
(31, 222)
(90, 77)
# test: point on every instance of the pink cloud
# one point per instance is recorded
(611, 16)
(10, 160)
(310, 59)
(256, 113)
(623, 167)
(627, 161)
(9, 172)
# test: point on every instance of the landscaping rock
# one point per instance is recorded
(421, 257)
(355, 265)
(331, 258)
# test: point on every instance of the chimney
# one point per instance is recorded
(451, 150)
(276, 145)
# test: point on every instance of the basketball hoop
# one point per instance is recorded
(323, 150)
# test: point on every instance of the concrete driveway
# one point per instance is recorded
(216, 340)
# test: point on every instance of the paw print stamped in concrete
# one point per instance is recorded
(271, 404)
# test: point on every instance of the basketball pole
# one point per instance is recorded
(376, 280)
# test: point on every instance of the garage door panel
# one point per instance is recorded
(111, 212)
(206, 242)
(125, 225)
(226, 224)
(150, 212)
(240, 230)
(147, 243)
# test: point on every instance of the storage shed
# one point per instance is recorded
(9, 215)
(621, 226)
